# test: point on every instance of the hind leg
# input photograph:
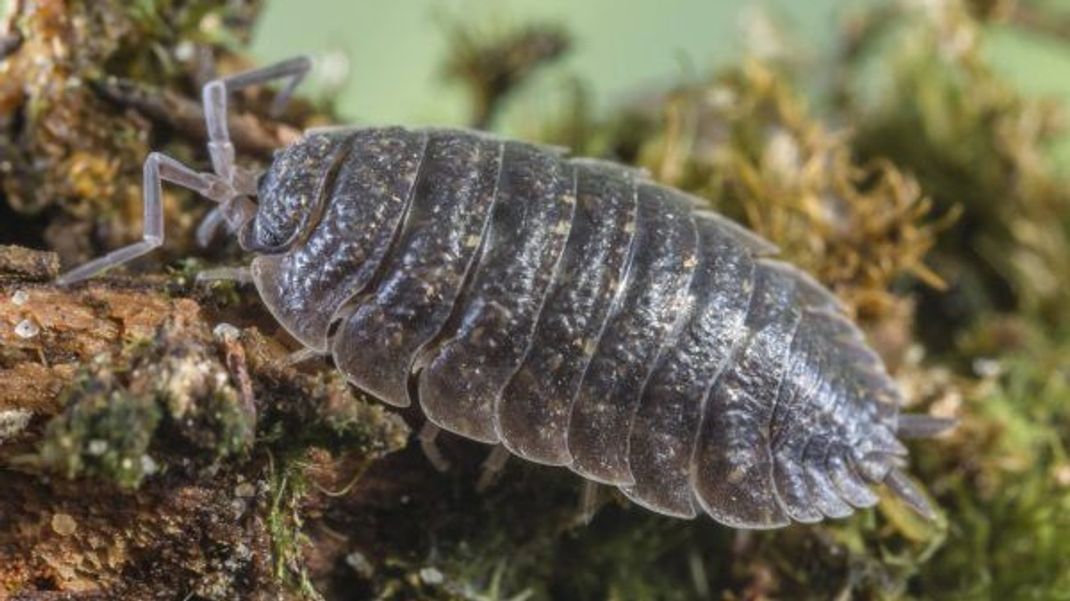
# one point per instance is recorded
(239, 275)
(428, 436)
(158, 168)
(301, 355)
(588, 502)
(492, 467)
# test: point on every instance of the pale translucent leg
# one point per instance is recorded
(209, 226)
(491, 467)
(241, 275)
(699, 578)
(214, 96)
(588, 501)
(244, 184)
(427, 437)
(302, 355)
(228, 186)
(158, 168)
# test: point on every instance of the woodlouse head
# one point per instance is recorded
(290, 193)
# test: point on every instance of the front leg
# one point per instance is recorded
(158, 167)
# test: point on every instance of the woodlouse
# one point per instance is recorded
(568, 309)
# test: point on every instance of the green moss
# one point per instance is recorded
(285, 523)
(1007, 479)
(163, 400)
(105, 433)
(493, 64)
(320, 409)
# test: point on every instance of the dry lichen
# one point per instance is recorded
(746, 142)
(13, 422)
(171, 389)
(973, 141)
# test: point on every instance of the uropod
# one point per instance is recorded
(569, 310)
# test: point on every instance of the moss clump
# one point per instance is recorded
(746, 142)
(317, 408)
(191, 423)
(976, 143)
(105, 433)
(129, 416)
(285, 522)
(1005, 477)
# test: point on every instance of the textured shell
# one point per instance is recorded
(581, 316)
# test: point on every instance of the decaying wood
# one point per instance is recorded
(196, 523)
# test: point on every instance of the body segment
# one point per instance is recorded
(465, 371)
(314, 279)
(652, 297)
(383, 330)
(666, 425)
(534, 409)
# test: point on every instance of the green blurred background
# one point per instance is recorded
(384, 58)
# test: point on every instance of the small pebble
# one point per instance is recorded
(225, 331)
(19, 298)
(13, 422)
(185, 51)
(334, 69)
(431, 576)
(245, 490)
(63, 524)
(211, 23)
(97, 447)
(149, 465)
(987, 368)
(1062, 475)
(360, 564)
(27, 329)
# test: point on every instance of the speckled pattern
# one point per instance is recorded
(292, 191)
(339, 258)
(519, 257)
(378, 341)
(580, 315)
(735, 486)
(533, 411)
(670, 409)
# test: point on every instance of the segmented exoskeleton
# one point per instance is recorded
(569, 309)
